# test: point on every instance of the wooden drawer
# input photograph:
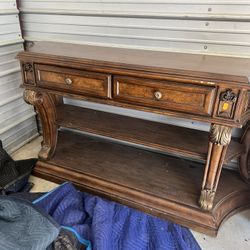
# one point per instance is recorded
(73, 81)
(190, 98)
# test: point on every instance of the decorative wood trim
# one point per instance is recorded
(227, 102)
(228, 96)
(27, 67)
(109, 87)
(32, 97)
(206, 199)
(28, 73)
(45, 105)
(244, 163)
(220, 137)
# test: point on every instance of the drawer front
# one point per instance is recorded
(73, 81)
(190, 98)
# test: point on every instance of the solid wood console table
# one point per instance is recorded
(165, 170)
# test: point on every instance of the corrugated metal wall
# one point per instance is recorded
(200, 26)
(17, 119)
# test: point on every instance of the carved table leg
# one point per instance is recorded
(244, 164)
(45, 105)
(219, 139)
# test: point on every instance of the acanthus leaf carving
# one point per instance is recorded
(32, 97)
(206, 199)
(220, 134)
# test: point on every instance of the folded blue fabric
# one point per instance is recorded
(24, 227)
(112, 226)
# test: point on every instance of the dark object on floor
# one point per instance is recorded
(111, 226)
(27, 187)
(4, 157)
(66, 240)
(24, 226)
(14, 174)
(26, 196)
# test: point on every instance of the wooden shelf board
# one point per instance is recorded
(158, 184)
(128, 166)
(162, 137)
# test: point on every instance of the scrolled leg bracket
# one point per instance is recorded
(45, 105)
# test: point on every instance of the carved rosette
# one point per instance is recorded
(220, 135)
(32, 97)
(206, 199)
(28, 67)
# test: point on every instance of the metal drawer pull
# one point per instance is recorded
(68, 81)
(158, 95)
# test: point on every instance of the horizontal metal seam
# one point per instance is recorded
(26, 117)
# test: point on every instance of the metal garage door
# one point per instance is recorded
(17, 119)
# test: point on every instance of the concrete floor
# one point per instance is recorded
(234, 233)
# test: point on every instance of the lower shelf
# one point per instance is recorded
(161, 185)
(166, 138)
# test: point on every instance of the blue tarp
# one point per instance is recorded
(104, 225)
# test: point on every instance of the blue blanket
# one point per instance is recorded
(106, 225)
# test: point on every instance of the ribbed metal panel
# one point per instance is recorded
(17, 119)
(213, 27)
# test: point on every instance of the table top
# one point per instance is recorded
(232, 69)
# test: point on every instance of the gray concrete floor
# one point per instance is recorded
(234, 234)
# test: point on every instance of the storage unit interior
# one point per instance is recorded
(161, 171)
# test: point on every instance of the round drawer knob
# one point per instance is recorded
(158, 95)
(68, 81)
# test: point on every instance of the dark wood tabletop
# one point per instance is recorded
(209, 66)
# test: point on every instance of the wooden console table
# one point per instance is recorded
(168, 171)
